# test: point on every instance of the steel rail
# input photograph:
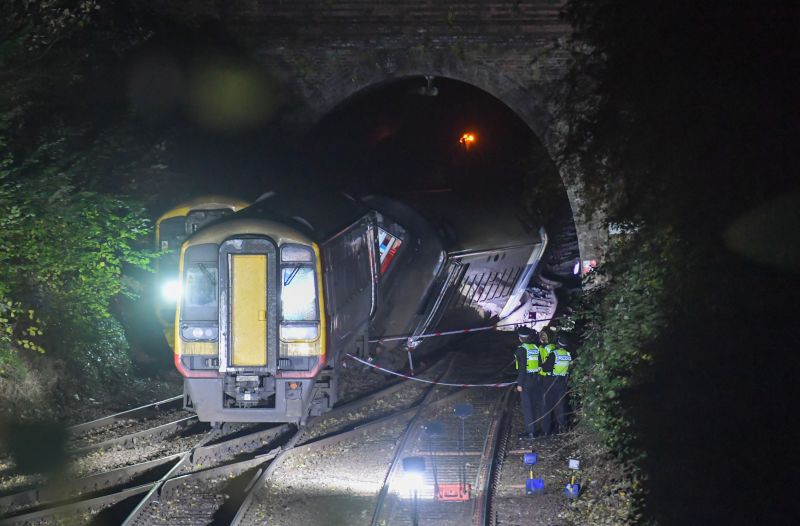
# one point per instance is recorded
(196, 456)
(402, 443)
(262, 477)
(487, 476)
(229, 448)
(369, 397)
(173, 488)
(199, 455)
(90, 484)
(152, 494)
(169, 403)
(234, 469)
(340, 411)
(130, 439)
(292, 448)
(394, 384)
(105, 501)
(318, 443)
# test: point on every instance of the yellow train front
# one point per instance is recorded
(250, 324)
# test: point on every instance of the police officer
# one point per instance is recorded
(529, 381)
(555, 362)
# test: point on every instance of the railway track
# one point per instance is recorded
(355, 476)
(449, 464)
(216, 495)
(182, 472)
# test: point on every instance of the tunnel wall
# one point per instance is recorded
(322, 52)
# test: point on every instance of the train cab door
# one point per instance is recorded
(351, 270)
(248, 306)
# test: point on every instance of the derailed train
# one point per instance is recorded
(272, 296)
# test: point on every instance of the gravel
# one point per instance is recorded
(128, 426)
(403, 398)
(148, 449)
(193, 503)
(604, 499)
(333, 484)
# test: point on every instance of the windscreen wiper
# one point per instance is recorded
(207, 273)
(288, 279)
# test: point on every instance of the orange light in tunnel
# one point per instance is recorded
(467, 140)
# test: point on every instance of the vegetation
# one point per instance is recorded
(65, 241)
(61, 257)
(678, 157)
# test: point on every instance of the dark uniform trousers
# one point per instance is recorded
(532, 400)
(554, 389)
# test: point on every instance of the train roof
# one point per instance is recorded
(204, 202)
(464, 224)
(317, 214)
(471, 223)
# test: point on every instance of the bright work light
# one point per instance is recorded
(170, 289)
(413, 477)
(412, 481)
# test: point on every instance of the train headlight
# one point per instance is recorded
(171, 289)
(293, 333)
(195, 333)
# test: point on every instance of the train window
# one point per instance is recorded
(299, 294)
(171, 233)
(200, 289)
(197, 219)
(296, 253)
(387, 245)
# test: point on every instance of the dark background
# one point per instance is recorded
(696, 127)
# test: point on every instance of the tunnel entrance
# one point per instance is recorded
(408, 136)
(418, 137)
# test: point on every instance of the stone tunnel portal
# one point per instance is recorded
(422, 135)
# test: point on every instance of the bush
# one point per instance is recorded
(619, 321)
(62, 253)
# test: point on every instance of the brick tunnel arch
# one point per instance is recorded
(322, 53)
(529, 103)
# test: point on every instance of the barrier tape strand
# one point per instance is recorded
(459, 331)
(407, 377)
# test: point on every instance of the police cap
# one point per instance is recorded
(525, 332)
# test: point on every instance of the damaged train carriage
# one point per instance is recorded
(274, 295)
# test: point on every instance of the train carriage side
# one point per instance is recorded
(466, 270)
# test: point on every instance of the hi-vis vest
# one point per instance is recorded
(532, 358)
(563, 359)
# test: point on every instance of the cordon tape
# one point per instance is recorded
(407, 377)
(459, 331)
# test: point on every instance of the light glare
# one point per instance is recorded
(467, 140)
(409, 483)
(171, 289)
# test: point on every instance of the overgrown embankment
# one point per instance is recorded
(695, 300)
(66, 238)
